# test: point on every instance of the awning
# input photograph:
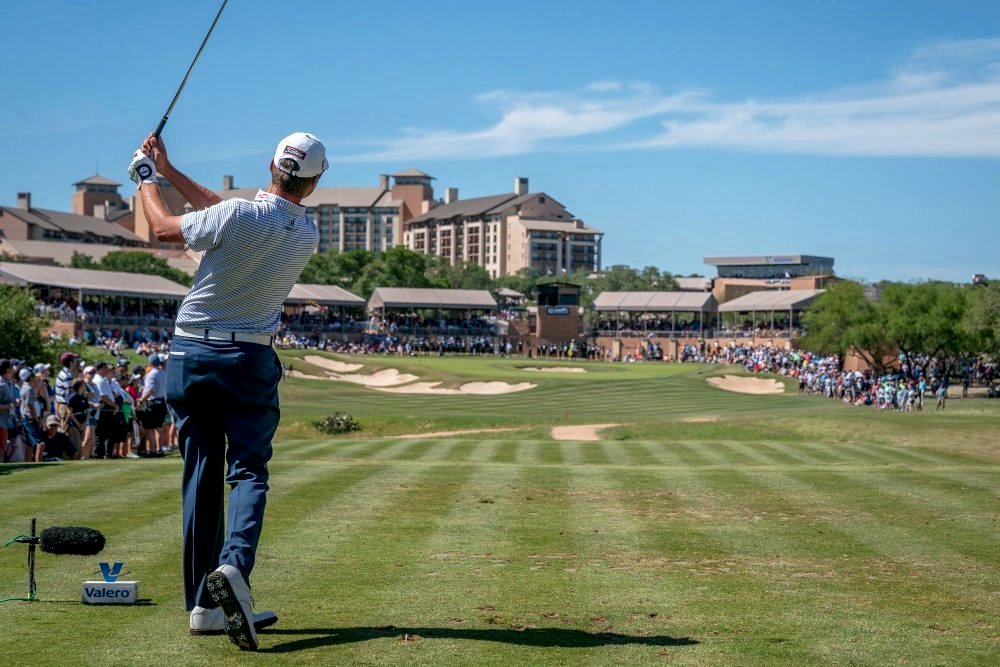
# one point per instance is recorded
(508, 293)
(445, 299)
(323, 295)
(112, 283)
(655, 302)
(771, 300)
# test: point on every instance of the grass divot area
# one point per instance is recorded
(707, 527)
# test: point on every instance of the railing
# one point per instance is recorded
(696, 333)
(490, 330)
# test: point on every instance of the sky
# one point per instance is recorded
(864, 131)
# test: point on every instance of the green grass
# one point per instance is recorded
(787, 531)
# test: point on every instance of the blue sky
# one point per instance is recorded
(867, 131)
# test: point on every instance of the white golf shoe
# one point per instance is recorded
(230, 591)
(212, 621)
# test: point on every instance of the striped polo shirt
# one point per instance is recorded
(254, 253)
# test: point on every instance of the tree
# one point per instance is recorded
(524, 281)
(20, 325)
(396, 267)
(982, 318)
(843, 320)
(924, 321)
(461, 275)
(131, 261)
(82, 261)
(336, 268)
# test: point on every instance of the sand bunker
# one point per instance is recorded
(331, 365)
(443, 434)
(306, 376)
(555, 369)
(700, 420)
(588, 432)
(390, 377)
(747, 385)
(467, 389)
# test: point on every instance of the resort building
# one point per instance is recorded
(506, 233)
(362, 218)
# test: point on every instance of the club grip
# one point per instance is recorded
(159, 128)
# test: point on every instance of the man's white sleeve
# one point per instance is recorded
(204, 229)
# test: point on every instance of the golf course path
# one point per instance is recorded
(586, 432)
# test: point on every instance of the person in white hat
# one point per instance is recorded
(223, 373)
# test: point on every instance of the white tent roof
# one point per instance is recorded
(93, 282)
(411, 297)
(771, 300)
(325, 295)
(652, 302)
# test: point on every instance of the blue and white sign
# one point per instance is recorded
(103, 592)
(110, 591)
(111, 572)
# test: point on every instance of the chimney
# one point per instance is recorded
(131, 203)
(521, 185)
(450, 195)
(24, 201)
(227, 182)
(101, 210)
(383, 181)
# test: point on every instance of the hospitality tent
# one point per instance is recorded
(411, 298)
(644, 303)
(92, 282)
(793, 302)
(323, 295)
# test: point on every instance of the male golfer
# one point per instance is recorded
(222, 379)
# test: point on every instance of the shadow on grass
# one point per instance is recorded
(11, 468)
(541, 637)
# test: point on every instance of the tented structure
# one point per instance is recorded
(662, 313)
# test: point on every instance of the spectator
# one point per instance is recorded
(8, 406)
(64, 389)
(44, 388)
(123, 418)
(79, 413)
(32, 414)
(153, 406)
(57, 446)
(94, 402)
(106, 430)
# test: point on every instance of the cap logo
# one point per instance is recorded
(295, 152)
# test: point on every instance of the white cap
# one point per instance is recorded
(307, 151)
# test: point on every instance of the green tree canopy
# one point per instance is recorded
(336, 268)
(20, 325)
(132, 261)
(843, 319)
(982, 318)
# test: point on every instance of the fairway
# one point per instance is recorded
(710, 528)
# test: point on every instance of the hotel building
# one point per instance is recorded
(506, 233)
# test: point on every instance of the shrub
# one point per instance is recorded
(338, 422)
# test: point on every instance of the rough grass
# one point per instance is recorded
(787, 531)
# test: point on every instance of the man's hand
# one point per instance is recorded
(142, 169)
(155, 147)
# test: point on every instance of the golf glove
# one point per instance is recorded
(142, 170)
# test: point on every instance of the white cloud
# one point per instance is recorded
(942, 101)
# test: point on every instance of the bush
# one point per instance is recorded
(339, 422)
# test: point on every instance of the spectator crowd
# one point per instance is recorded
(86, 411)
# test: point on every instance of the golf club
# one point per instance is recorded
(163, 121)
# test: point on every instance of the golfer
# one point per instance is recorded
(222, 376)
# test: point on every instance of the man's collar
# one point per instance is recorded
(295, 209)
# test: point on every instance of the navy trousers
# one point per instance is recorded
(225, 398)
